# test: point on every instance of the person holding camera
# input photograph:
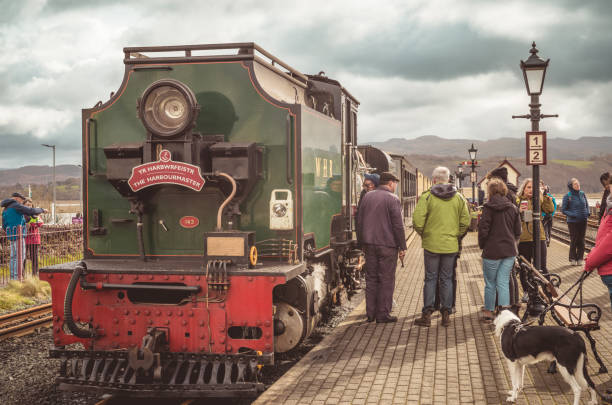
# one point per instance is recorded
(526, 245)
(576, 208)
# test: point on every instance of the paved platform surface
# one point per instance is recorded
(369, 363)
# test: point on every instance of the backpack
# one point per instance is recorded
(580, 194)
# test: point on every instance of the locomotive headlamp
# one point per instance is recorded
(168, 108)
(279, 209)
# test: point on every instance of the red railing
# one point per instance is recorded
(24, 251)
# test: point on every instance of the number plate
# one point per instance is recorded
(536, 148)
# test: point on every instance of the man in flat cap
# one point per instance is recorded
(440, 217)
(380, 230)
(13, 223)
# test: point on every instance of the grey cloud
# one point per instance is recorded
(313, 38)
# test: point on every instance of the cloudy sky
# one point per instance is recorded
(419, 67)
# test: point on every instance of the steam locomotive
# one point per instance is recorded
(220, 186)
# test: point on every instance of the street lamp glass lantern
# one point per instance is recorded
(473, 151)
(534, 72)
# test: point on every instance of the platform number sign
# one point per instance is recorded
(473, 177)
(536, 148)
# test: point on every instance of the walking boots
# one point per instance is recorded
(445, 317)
(424, 320)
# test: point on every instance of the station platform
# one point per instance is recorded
(400, 363)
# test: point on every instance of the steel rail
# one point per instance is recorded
(12, 324)
(563, 236)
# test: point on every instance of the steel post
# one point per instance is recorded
(535, 185)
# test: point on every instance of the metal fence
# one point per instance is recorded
(24, 250)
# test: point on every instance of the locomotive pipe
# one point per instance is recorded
(140, 237)
(156, 287)
(227, 200)
(68, 320)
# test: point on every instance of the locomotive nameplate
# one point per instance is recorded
(225, 246)
(189, 222)
(166, 171)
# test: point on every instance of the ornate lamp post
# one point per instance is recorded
(472, 151)
(534, 72)
(459, 175)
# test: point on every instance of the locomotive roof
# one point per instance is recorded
(149, 55)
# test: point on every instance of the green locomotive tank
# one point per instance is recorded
(219, 186)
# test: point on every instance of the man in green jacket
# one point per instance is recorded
(441, 216)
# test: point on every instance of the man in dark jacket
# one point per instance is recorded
(13, 223)
(605, 181)
(370, 182)
(381, 235)
(502, 173)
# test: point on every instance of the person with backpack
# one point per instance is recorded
(576, 208)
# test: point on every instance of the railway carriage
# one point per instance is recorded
(378, 161)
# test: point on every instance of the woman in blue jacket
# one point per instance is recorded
(576, 207)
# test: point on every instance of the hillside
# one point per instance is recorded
(584, 158)
(558, 148)
(37, 174)
(554, 174)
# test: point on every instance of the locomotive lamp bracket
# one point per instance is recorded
(235, 246)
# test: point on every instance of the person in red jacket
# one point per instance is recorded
(600, 257)
(33, 237)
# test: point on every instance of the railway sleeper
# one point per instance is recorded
(186, 375)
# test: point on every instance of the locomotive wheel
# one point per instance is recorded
(288, 327)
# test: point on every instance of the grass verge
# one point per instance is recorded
(16, 295)
(580, 164)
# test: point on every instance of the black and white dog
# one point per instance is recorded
(523, 345)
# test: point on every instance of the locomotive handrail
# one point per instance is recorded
(130, 52)
(289, 173)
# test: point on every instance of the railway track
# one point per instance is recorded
(25, 322)
(563, 236)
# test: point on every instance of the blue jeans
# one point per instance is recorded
(438, 266)
(15, 263)
(607, 280)
(497, 278)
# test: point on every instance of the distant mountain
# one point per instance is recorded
(557, 148)
(37, 174)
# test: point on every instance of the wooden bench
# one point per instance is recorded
(566, 308)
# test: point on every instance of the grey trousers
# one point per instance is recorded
(381, 262)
